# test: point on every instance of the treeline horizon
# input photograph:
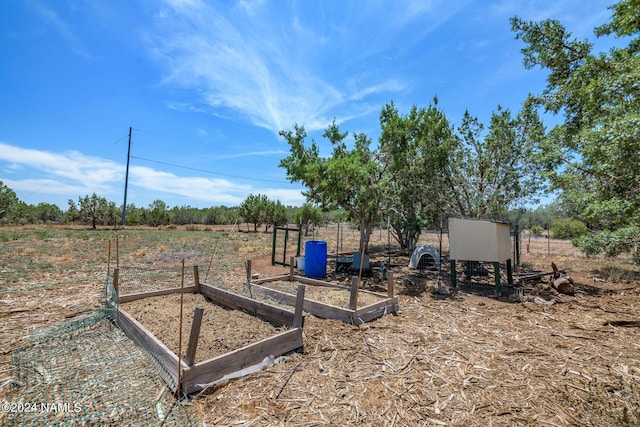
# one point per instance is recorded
(93, 211)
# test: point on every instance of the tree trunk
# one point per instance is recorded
(365, 234)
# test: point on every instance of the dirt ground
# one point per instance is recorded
(222, 330)
(463, 358)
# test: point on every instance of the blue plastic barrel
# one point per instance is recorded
(315, 258)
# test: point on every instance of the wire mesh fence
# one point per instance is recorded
(87, 372)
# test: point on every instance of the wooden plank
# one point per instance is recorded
(310, 281)
(141, 336)
(275, 315)
(297, 314)
(190, 358)
(201, 374)
(322, 310)
(375, 311)
(284, 277)
(133, 297)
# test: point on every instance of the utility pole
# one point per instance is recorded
(126, 183)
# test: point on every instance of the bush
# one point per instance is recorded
(536, 230)
(567, 228)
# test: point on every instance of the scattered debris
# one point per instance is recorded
(562, 282)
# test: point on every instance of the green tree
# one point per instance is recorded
(95, 210)
(308, 215)
(350, 178)
(135, 215)
(568, 228)
(494, 172)
(46, 213)
(184, 215)
(414, 151)
(8, 199)
(274, 213)
(254, 209)
(592, 156)
(157, 214)
(72, 214)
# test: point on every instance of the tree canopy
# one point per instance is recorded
(351, 178)
(592, 156)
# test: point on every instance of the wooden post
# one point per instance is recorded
(193, 338)
(116, 278)
(247, 266)
(196, 278)
(109, 258)
(353, 297)
(117, 252)
(390, 284)
(291, 260)
(509, 272)
(297, 316)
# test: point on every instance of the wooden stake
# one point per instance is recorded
(109, 259)
(196, 278)
(179, 385)
(291, 260)
(297, 316)
(206, 276)
(117, 253)
(390, 284)
(247, 267)
(353, 297)
(193, 337)
(116, 278)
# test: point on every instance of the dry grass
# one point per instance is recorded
(457, 359)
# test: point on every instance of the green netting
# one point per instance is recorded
(133, 280)
(87, 372)
(90, 375)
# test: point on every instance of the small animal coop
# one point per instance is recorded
(425, 257)
(480, 240)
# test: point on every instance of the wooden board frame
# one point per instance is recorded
(197, 377)
(388, 303)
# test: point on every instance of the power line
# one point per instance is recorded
(177, 138)
(208, 171)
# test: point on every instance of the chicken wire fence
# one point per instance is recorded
(87, 372)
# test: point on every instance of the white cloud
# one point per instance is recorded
(73, 166)
(196, 188)
(72, 174)
(268, 63)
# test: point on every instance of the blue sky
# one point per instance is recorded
(207, 85)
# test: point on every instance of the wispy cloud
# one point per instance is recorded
(62, 28)
(262, 61)
(72, 174)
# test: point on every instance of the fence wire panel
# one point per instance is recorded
(86, 372)
(133, 280)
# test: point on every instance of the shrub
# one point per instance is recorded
(567, 228)
(536, 230)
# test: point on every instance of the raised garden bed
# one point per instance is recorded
(235, 332)
(324, 299)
